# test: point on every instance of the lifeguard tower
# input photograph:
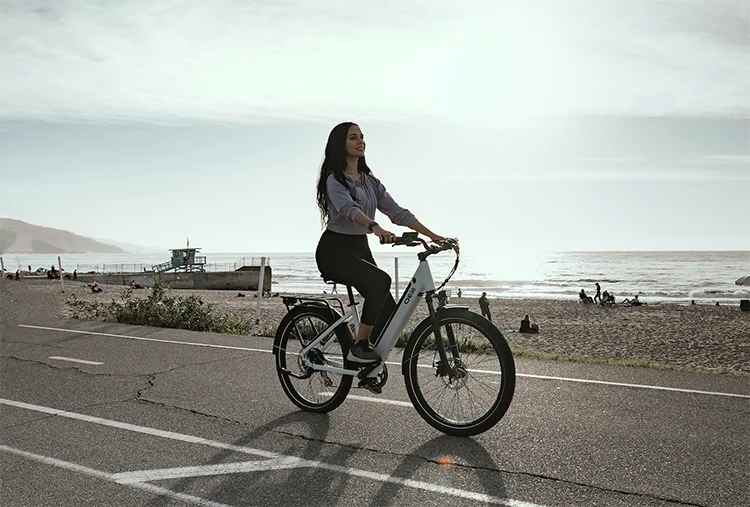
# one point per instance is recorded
(183, 260)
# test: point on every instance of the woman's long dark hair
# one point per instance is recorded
(335, 163)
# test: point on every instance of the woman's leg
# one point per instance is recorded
(371, 282)
(348, 260)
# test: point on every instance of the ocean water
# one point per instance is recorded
(678, 277)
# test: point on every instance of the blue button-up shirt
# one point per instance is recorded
(370, 195)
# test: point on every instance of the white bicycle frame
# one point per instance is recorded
(421, 282)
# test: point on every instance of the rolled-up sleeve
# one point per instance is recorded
(387, 205)
(341, 199)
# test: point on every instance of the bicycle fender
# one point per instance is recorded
(450, 307)
(343, 332)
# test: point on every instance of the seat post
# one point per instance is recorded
(351, 295)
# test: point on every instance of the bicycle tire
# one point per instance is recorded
(298, 328)
(486, 364)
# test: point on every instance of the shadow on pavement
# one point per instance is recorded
(462, 451)
(297, 486)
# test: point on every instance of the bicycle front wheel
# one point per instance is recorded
(471, 393)
(310, 389)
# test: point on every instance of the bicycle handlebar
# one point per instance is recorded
(413, 239)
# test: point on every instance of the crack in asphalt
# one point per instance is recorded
(495, 470)
(48, 343)
(151, 379)
(79, 370)
(423, 458)
(70, 366)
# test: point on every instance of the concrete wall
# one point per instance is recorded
(247, 279)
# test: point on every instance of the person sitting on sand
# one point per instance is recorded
(607, 298)
(584, 298)
(527, 326)
(633, 302)
(95, 288)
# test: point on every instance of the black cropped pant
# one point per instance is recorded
(347, 259)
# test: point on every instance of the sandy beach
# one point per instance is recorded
(701, 338)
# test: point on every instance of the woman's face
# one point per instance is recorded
(355, 142)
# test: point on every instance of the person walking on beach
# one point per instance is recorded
(484, 305)
(459, 292)
(348, 194)
(598, 295)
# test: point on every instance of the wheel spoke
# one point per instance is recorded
(467, 399)
(311, 391)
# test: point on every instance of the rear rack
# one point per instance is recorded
(331, 302)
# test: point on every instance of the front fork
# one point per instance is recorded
(443, 365)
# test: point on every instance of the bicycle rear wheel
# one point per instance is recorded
(312, 390)
(473, 391)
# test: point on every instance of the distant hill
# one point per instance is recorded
(133, 247)
(21, 237)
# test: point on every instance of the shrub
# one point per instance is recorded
(159, 310)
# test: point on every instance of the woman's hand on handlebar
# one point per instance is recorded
(383, 235)
(447, 243)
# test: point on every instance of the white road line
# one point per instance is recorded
(639, 386)
(528, 375)
(141, 338)
(207, 470)
(189, 499)
(373, 400)
(72, 360)
(425, 486)
(138, 429)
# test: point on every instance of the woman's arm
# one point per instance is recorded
(364, 221)
(402, 216)
(421, 229)
(341, 199)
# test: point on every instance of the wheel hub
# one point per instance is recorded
(315, 356)
(456, 377)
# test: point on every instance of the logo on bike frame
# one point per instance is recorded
(409, 295)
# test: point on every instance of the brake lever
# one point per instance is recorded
(450, 244)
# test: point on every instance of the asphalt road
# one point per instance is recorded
(164, 417)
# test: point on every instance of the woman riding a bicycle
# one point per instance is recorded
(348, 195)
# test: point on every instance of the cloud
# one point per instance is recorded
(231, 61)
(743, 160)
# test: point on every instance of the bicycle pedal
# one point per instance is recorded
(365, 369)
(371, 384)
(373, 389)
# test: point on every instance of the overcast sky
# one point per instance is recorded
(540, 125)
